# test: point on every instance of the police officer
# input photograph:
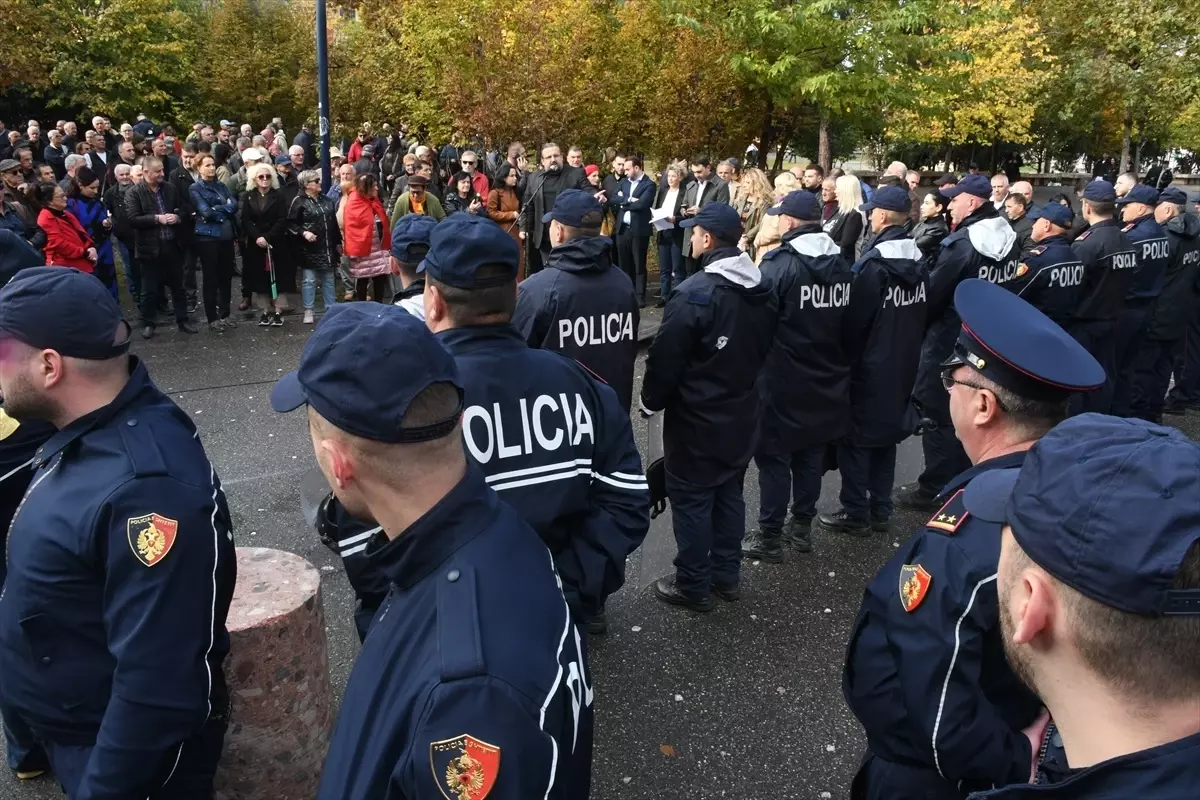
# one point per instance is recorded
(702, 369)
(1185, 393)
(885, 322)
(924, 674)
(1109, 267)
(551, 439)
(1131, 395)
(473, 680)
(982, 246)
(811, 282)
(410, 243)
(1103, 624)
(1163, 341)
(580, 305)
(120, 558)
(1050, 274)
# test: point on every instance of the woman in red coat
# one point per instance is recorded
(67, 243)
(367, 240)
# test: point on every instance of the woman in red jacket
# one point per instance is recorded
(67, 243)
(367, 240)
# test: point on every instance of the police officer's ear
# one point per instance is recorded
(437, 313)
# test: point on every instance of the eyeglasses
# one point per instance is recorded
(263, 178)
(948, 382)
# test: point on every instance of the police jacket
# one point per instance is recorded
(1181, 279)
(983, 246)
(1109, 267)
(807, 375)
(1168, 772)
(473, 681)
(703, 367)
(1049, 278)
(580, 305)
(925, 670)
(1150, 243)
(121, 570)
(885, 324)
(18, 443)
(558, 446)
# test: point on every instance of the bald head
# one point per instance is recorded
(1023, 188)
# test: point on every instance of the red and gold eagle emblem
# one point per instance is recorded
(914, 584)
(151, 537)
(464, 767)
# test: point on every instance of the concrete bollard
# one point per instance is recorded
(278, 673)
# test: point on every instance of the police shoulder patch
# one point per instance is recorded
(464, 768)
(951, 516)
(151, 537)
(914, 585)
(8, 425)
(1022, 268)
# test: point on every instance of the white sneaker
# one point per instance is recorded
(308, 316)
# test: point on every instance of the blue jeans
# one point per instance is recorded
(308, 288)
(670, 262)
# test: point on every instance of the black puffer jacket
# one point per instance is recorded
(316, 215)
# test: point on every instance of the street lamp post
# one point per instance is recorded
(323, 93)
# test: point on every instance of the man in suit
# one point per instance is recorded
(705, 188)
(542, 189)
(631, 207)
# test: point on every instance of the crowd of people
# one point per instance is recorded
(811, 322)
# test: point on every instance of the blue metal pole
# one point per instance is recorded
(323, 93)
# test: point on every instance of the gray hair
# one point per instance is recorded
(119, 169)
(295, 149)
(243, 142)
(308, 176)
(74, 160)
(259, 140)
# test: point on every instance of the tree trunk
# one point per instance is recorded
(767, 137)
(824, 157)
(1137, 156)
(949, 157)
(1126, 135)
(785, 137)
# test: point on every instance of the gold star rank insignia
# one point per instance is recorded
(464, 767)
(951, 516)
(151, 537)
(914, 584)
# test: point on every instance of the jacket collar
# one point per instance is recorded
(1009, 461)
(415, 288)
(504, 336)
(139, 383)
(890, 233)
(425, 545)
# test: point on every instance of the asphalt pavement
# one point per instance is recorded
(744, 702)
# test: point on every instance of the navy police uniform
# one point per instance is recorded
(702, 368)
(1153, 253)
(925, 671)
(885, 323)
(1083, 487)
(982, 246)
(410, 243)
(1186, 391)
(812, 285)
(1163, 343)
(1109, 268)
(120, 572)
(552, 439)
(474, 680)
(580, 305)
(1050, 275)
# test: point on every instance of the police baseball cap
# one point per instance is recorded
(801, 204)
(1141, 193)
(575, 208)
(410, 237)
(1173, 195)
(366, 402)
(719, 219)
(63, 309)
(1100, 191)
(977, 185)
(1107, 506)
(1057, 213)
(463, 243)
(1011, 343)
(889, 198)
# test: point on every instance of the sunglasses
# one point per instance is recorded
(468, 163)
